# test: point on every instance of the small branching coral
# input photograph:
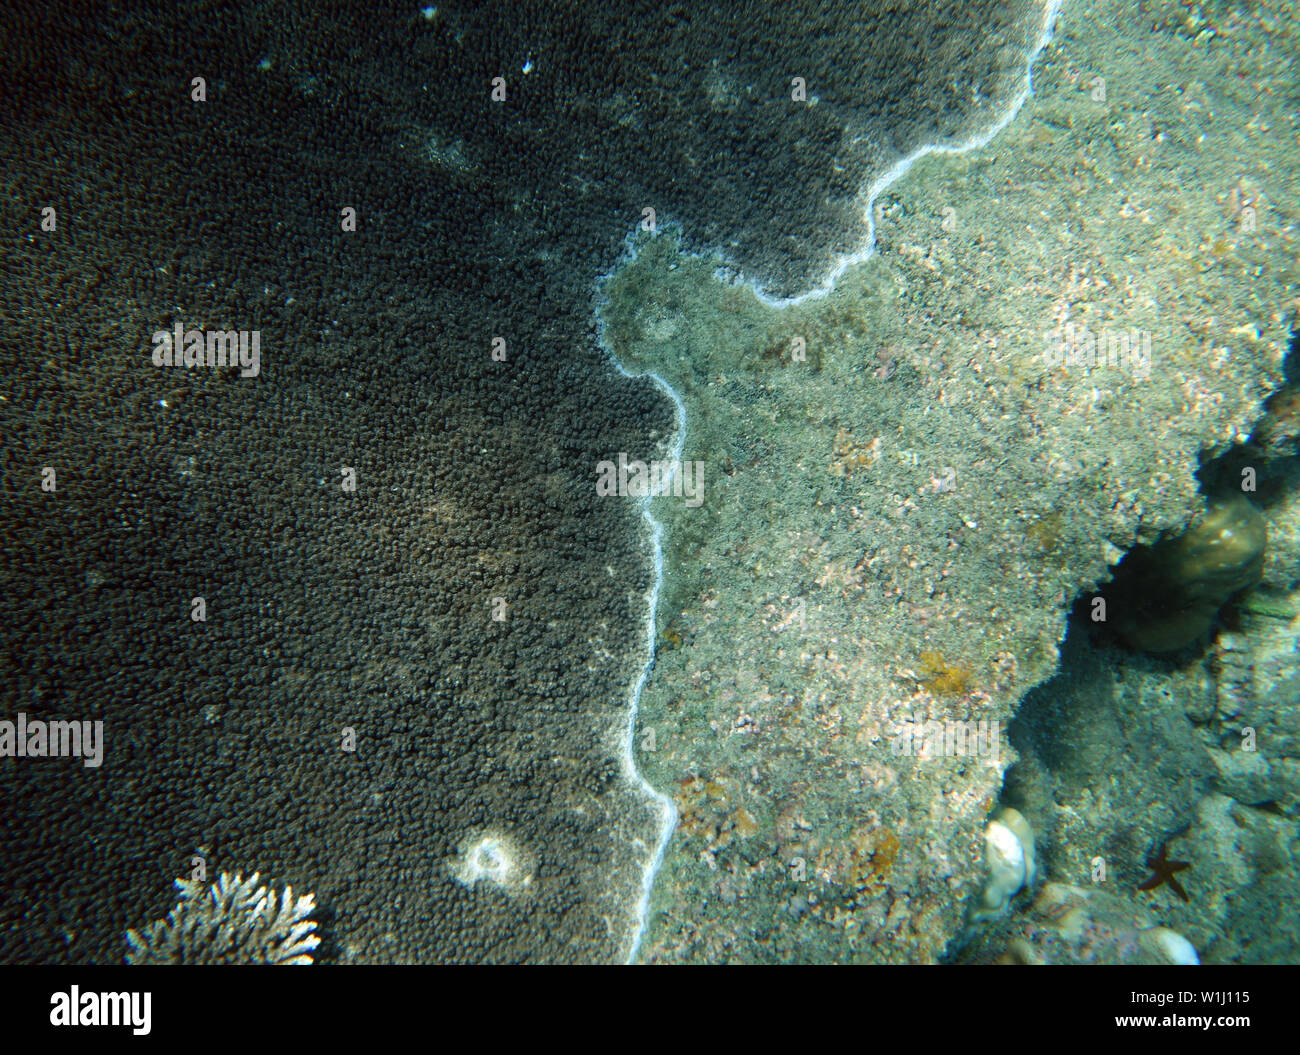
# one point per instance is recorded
(233, 921)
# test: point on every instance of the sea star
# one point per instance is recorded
(1164, 870)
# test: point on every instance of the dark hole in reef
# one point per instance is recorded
(1170, 597)
(1167, 597)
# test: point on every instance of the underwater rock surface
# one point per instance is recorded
(1075, 925)
(921, 470)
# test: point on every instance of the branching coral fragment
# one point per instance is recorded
(233, 921)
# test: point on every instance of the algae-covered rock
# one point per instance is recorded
(910, 479)
(1070, 924)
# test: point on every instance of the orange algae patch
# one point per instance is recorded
(942, 677)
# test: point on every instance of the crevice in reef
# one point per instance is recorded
(1127, 748)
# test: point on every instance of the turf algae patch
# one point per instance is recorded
(921, 470)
